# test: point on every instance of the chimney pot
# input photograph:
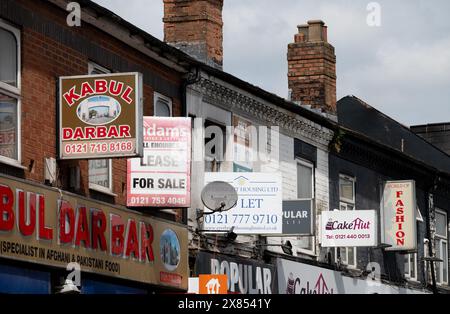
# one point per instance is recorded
(316, 30)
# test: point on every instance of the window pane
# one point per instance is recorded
(413, 265)
(351, 256)
(343, 251)
(162, 109)
(99, 172)
(8, 127)
(304, 181)
(8, 57)
(441, 224)
(346, 188)
(445, 263)
(438, 265)
(305, 243)
(407, 269)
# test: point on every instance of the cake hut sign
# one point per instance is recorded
(399, 215)
(100, 116)
(348, 228)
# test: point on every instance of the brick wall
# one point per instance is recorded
(45, 57)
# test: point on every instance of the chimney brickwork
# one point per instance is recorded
(195, 27)
(312, 67)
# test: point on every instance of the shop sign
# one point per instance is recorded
(245, 276)
(300, 278)
(43, 225)
(298, 217)
(259, 206)
(399, 215)
(100, 116)
(348, 228)
(162, 177)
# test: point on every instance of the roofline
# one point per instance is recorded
(386, 148)
(188, 62)
(408, 129)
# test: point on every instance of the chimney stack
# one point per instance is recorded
(312, 67)
(195, 27)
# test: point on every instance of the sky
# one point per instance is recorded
(400, 66)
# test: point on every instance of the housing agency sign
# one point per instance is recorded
(100, 116)
(42, 225)
(348, 228)
(162, 177)
(399, 215)
(259, 206)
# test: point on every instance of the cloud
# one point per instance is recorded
(401, 67)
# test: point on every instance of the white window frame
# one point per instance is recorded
(100, 188)
(345, 202)
(416, 273)
(14, 92)
(310, 165)
(439, 239)
(92, 66)
(408, 274)
(165, 99)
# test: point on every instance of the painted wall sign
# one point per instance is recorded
(100, 116)
(299, 278)
(298, 217)
(40, 225)
(399, 215)
(245, 276)
(162, 177)
(348, 228)
(259, 206)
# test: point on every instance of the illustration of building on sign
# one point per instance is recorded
(213, 286)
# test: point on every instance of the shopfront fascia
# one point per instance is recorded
(300, 278)
(46, 226)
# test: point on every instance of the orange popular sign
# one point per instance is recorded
(213, 284)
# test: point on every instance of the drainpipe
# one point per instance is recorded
(430, 206)
(191, 78)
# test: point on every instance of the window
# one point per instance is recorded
(305, 190)
(411, 266)
(441, 247)
(411, 259)
(100, 175)
(215, 145)
(162, 105)
(100, 170)
(10, 92)
(305, 180)
(347, 255)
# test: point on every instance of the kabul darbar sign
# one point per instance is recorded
(40, 225)
(100, 116)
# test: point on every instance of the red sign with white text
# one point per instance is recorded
(162, 177)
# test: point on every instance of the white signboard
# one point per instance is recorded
(348, 228)
(399, 215)
(162, 177)
(298, 278)
(259, 208)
